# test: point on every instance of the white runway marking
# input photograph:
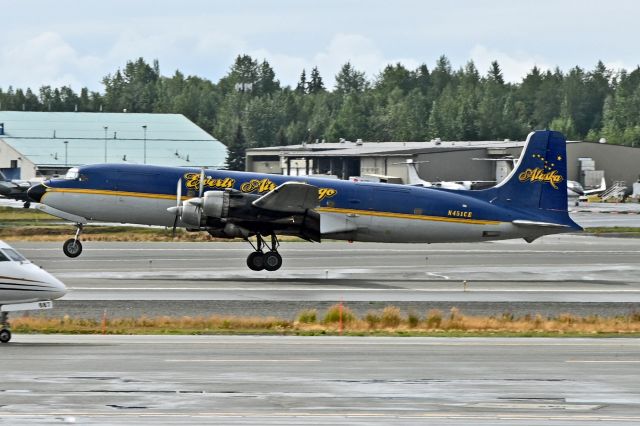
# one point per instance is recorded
(348, 415)
(243, 360)
(392, 290)
(604, 361)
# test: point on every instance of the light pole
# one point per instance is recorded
(144, 127)
(66, 152)
(105, 143)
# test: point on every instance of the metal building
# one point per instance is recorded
(435, 160)
(48, 143)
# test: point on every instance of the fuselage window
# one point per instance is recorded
(14, 255)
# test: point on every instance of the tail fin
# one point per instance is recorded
(539, 181)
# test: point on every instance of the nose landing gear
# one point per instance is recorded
(259, 260)
(73, 247)
(5, 333)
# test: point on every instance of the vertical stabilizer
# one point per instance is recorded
(540, 179)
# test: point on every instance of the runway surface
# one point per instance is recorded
(319, 380)
(572, 273)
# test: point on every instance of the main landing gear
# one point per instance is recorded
(5, 333)
(73, 247)
(259, 260)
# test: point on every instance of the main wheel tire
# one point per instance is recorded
(272, 261)
(72, 247)
(5, 335)
(255, 261)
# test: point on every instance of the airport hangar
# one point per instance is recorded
(438, 160)
(35, 144)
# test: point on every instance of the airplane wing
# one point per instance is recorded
(290, 197)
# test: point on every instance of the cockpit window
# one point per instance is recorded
(72, 173)
(3, 257)
(84, 178)
(14, 255)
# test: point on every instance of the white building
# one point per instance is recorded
(48, 143)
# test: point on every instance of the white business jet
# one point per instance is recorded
(23, 287)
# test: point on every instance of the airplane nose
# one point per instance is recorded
(36, 192)
(58, 290)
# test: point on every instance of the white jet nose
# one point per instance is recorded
(56, 290)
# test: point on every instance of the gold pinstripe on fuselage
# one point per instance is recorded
(319, 209)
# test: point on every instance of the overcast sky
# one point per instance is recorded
(76, 43)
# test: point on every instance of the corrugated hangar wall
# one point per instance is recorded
(455, 165)
(618, 162)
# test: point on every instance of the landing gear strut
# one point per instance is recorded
(259, 260)
(73, 247)
(5, 333)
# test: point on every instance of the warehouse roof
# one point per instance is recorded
(171, 139)
(359, 149)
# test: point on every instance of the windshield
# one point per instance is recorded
(72, 173)
(14, 255)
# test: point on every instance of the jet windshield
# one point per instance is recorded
(14, 255)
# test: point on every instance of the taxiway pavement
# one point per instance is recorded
(568, 273)
(319, 380)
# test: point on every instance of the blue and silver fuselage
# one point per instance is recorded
(361, 211)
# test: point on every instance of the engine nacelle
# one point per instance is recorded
(191, 213)
(216, 204)
(195, 212)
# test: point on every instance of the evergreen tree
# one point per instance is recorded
(394, 77)
(267, 83)
(495, 73)
(349, 80)
(301, 87)
(316, 85)
(401, 104)
(441, 75)
(242, 77)
(236, 151)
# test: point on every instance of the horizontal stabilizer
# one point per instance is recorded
(533, 224)
(290, 197)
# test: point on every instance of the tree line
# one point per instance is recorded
(400, 104)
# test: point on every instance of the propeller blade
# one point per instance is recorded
(173, 230)
(201, 189)
(179, 193)
(177, 210)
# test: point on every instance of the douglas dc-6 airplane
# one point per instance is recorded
(23, 287)
(529, 203)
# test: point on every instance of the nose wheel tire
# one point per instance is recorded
(255, 261)
(5, 335)
(72, 247)
(272, 261)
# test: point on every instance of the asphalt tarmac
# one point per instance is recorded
(318, 380)
(58, 379)
(580, 274)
